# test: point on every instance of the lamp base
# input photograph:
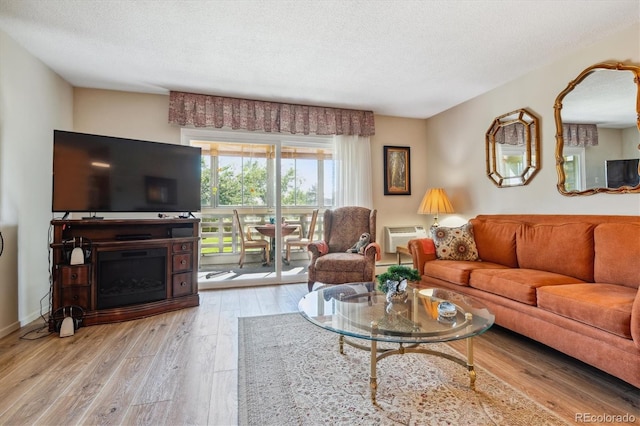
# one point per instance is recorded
(435, 221)
(434, 226)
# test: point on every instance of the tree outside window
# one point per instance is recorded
(234, 178)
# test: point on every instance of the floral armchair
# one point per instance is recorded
(330, 262)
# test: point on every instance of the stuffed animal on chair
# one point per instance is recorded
(361, 244)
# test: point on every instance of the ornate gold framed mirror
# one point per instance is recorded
(598, 131)
(513, 149)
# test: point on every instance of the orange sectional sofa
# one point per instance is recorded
(568, 281)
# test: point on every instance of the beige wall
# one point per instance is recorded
(630, 143)
(33, 102)
(456, 158)
(398, 210)
(123, 114)
(609, 148)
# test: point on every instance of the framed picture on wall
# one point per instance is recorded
(397, 176)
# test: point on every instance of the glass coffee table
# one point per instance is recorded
(424, 316)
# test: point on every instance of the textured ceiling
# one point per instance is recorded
(401, 58)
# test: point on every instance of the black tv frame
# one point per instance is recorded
(107, 174)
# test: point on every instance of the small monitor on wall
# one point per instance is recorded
(622, 173)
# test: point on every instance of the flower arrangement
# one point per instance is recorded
(396, 273)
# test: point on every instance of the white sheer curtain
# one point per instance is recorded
(353, 171)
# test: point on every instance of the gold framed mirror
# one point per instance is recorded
(513, 149)
(598, 131)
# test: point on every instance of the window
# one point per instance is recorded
(305, 176)
(574, 169)
(513, 160)
(242, 173)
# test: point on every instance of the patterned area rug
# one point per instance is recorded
(291, 373)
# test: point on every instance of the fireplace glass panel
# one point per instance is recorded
(129, 277)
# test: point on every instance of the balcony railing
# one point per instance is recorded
(220, 241)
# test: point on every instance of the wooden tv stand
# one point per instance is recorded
(174, 240)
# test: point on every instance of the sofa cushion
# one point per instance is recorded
(517, 283)
(617, 254)
(455, 243)
(456, 271)
(565, 249)
(496, 241)
(605, 306)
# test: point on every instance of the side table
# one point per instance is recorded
(400, 250)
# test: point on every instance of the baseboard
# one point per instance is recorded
(9, 329)
(26, 320)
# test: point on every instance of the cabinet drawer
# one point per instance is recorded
(76, 296)
(181, 262)
(178, 247)
(74, 275)
(182, 284)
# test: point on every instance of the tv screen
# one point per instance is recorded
(93, 173)
(622, 173)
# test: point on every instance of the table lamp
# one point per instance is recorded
(435, 201)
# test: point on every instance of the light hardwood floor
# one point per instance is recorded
(181, 368)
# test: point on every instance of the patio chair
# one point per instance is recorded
(301, 242)
(248, 243)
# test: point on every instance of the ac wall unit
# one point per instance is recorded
(400, 235)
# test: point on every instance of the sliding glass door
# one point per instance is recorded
(274, 185)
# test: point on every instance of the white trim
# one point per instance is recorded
(581, 179)
(215, 135)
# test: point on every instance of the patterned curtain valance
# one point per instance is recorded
(580, 134)
(243, 114)
(515, 134)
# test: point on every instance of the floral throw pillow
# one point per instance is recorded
(455, 243)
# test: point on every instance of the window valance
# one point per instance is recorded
(515, 134)
(580, 134)
(244, 114)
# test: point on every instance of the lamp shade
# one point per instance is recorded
(435, 201)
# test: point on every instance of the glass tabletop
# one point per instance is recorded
(423, 316)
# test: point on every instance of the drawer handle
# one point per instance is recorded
(76, 297)
(183, 283)
(183, 262)
(74, 276)
(184, 247)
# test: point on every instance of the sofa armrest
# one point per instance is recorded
(635, 320)
(422, 250)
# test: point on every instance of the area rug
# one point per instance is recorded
(291, 373)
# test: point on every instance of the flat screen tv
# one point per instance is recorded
(622, 173)
(93, 173)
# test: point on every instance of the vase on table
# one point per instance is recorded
(396, 297)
